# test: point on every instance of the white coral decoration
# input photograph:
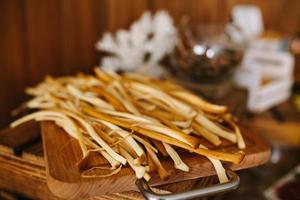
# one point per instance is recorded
(145, 44)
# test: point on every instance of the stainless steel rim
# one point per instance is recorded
(149, 194)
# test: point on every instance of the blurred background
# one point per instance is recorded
(58, 37)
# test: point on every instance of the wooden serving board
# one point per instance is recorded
(62, 153)
(23, 173)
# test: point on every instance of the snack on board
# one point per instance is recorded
(135, 120)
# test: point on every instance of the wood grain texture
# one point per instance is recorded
(26, 174)
(58, 37)
(21, 180)
(197, 11)
(12, 58)
(62, 154)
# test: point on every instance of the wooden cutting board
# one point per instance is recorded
(62, 153)
(23, 173)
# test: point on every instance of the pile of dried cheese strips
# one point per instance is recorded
(135, 120)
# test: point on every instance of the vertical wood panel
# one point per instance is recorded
(84, 22)
(58, 37)
(76, 34)
(43, 38)
(198, 11)
(122, 13)
(13, 74)
(287, 17)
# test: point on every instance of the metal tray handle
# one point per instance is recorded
(149, 194)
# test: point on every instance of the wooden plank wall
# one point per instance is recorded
(57, 36)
